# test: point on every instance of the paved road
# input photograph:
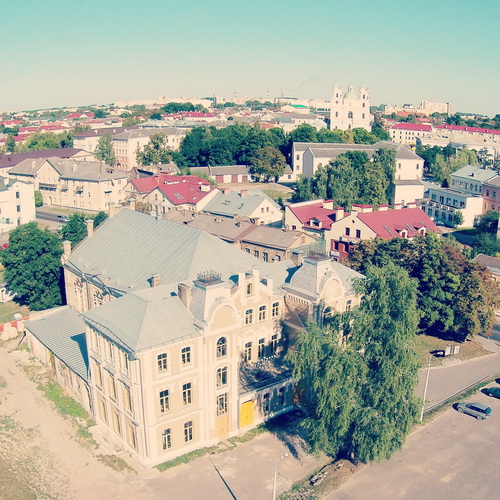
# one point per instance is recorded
(455, 457)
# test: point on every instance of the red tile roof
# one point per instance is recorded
(388, 224)
(306, 213)
(412, 126)
(178, 189)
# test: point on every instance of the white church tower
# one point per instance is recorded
(350, 110)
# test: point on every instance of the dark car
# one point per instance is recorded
(62, 218)
(477, 410)
(493, 392)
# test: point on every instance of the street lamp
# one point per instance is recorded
(276, 474)
(425, 388)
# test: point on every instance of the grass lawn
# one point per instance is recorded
(276, 194)
(8, 310)
(425, 344)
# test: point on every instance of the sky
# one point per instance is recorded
(64, 53)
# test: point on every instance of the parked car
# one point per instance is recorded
(4, 246)
(477, 410)
(493, 392)
(62, 218)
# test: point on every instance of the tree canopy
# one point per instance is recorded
(104, 150)
(33, 266)
(75, 230)
(155, 152)
(359, 395)
(267, 163)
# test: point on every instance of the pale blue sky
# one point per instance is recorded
(70, 52)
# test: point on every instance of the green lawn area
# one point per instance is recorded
(8, 310)
(425, 344)
(275, 194)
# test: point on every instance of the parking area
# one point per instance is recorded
(456, 456)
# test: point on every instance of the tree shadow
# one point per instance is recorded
(288, 429)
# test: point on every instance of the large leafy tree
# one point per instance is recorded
(268, 162)
(104, 150)
(33, 266)
(155, 152)
(359, 396)
(75, 230)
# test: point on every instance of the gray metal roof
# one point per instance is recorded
(233, 204)
(71, 169)
(126, 250)
(144, 319)
(221, 170)
(62, 331)
(474, 173)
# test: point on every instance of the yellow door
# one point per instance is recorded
(222, 426)
(246, 414)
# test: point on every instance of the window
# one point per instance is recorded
(276, 309)
(262, 313)
(358, 233)
(256, 253)
(222, 347)
(221, 376)
(18, 208)
(347, 231)
(166, 439)
(123, 361)
(248, 352)
(274, 344)
(265, 256)
(162, 362)
(111, 386)
(127, 398)
(164, 401)
(111, 356)
(116, 423)
(349, 115)
(18, 194)
(187, 394)
(98, 375)
(222, 404)
(186, 355)
(102, 411)
(266, 403)
(261, 348)
(249, 287)
(248, 316)
(281, 396)
(247, 250)
(297, 157)
(188, 431)
(132, 436)
(348, 305)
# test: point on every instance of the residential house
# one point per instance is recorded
(442, 204)
(491, 195)
(252, 204)
(89, 139)
(492, 263)
(165, 191)
(17, 204)
(126, 144)
(88, 185)
(314, 217)
(264, 242)
(409, 133)
(470, 179)
(185, 335)
(365, 223)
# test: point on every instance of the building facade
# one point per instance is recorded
(351, 109)
(17, 204)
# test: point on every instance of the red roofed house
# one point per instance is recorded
(79, 116)
(408, 133)
(364, 223)
(315, 216)
(165, 191)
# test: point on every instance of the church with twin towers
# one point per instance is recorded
(350, 109)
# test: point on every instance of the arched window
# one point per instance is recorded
(349, 115)
(363, 115)
(336, 114)
(221, 376)
(222, 347)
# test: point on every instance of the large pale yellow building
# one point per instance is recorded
(185, 335)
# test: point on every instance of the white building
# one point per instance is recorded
(17, 204)
(350, 110)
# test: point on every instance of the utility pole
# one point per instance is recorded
(425, 387)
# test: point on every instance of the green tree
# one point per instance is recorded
(75, 230)
(104, 150)
(488, 222)
(38, 199)
(10, 144)
(33, 266)
(155, 152)
(100, 218)
(267, 163)
(385, 326)
(458, 218)
(342, 182)
(302, 191)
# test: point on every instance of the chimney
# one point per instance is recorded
(155, 280)
(226, 190)
(66, 251)
(397, 206)
(132, 203)
(243, 193)
(340, 213)
(297, 257)
(111, 209)
(90, 227)
(383, 208)
(184, 292)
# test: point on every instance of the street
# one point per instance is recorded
(456, 456)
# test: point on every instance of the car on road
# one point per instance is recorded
(62, 218)
(477, 410)
(493, 392)
(4, 246)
